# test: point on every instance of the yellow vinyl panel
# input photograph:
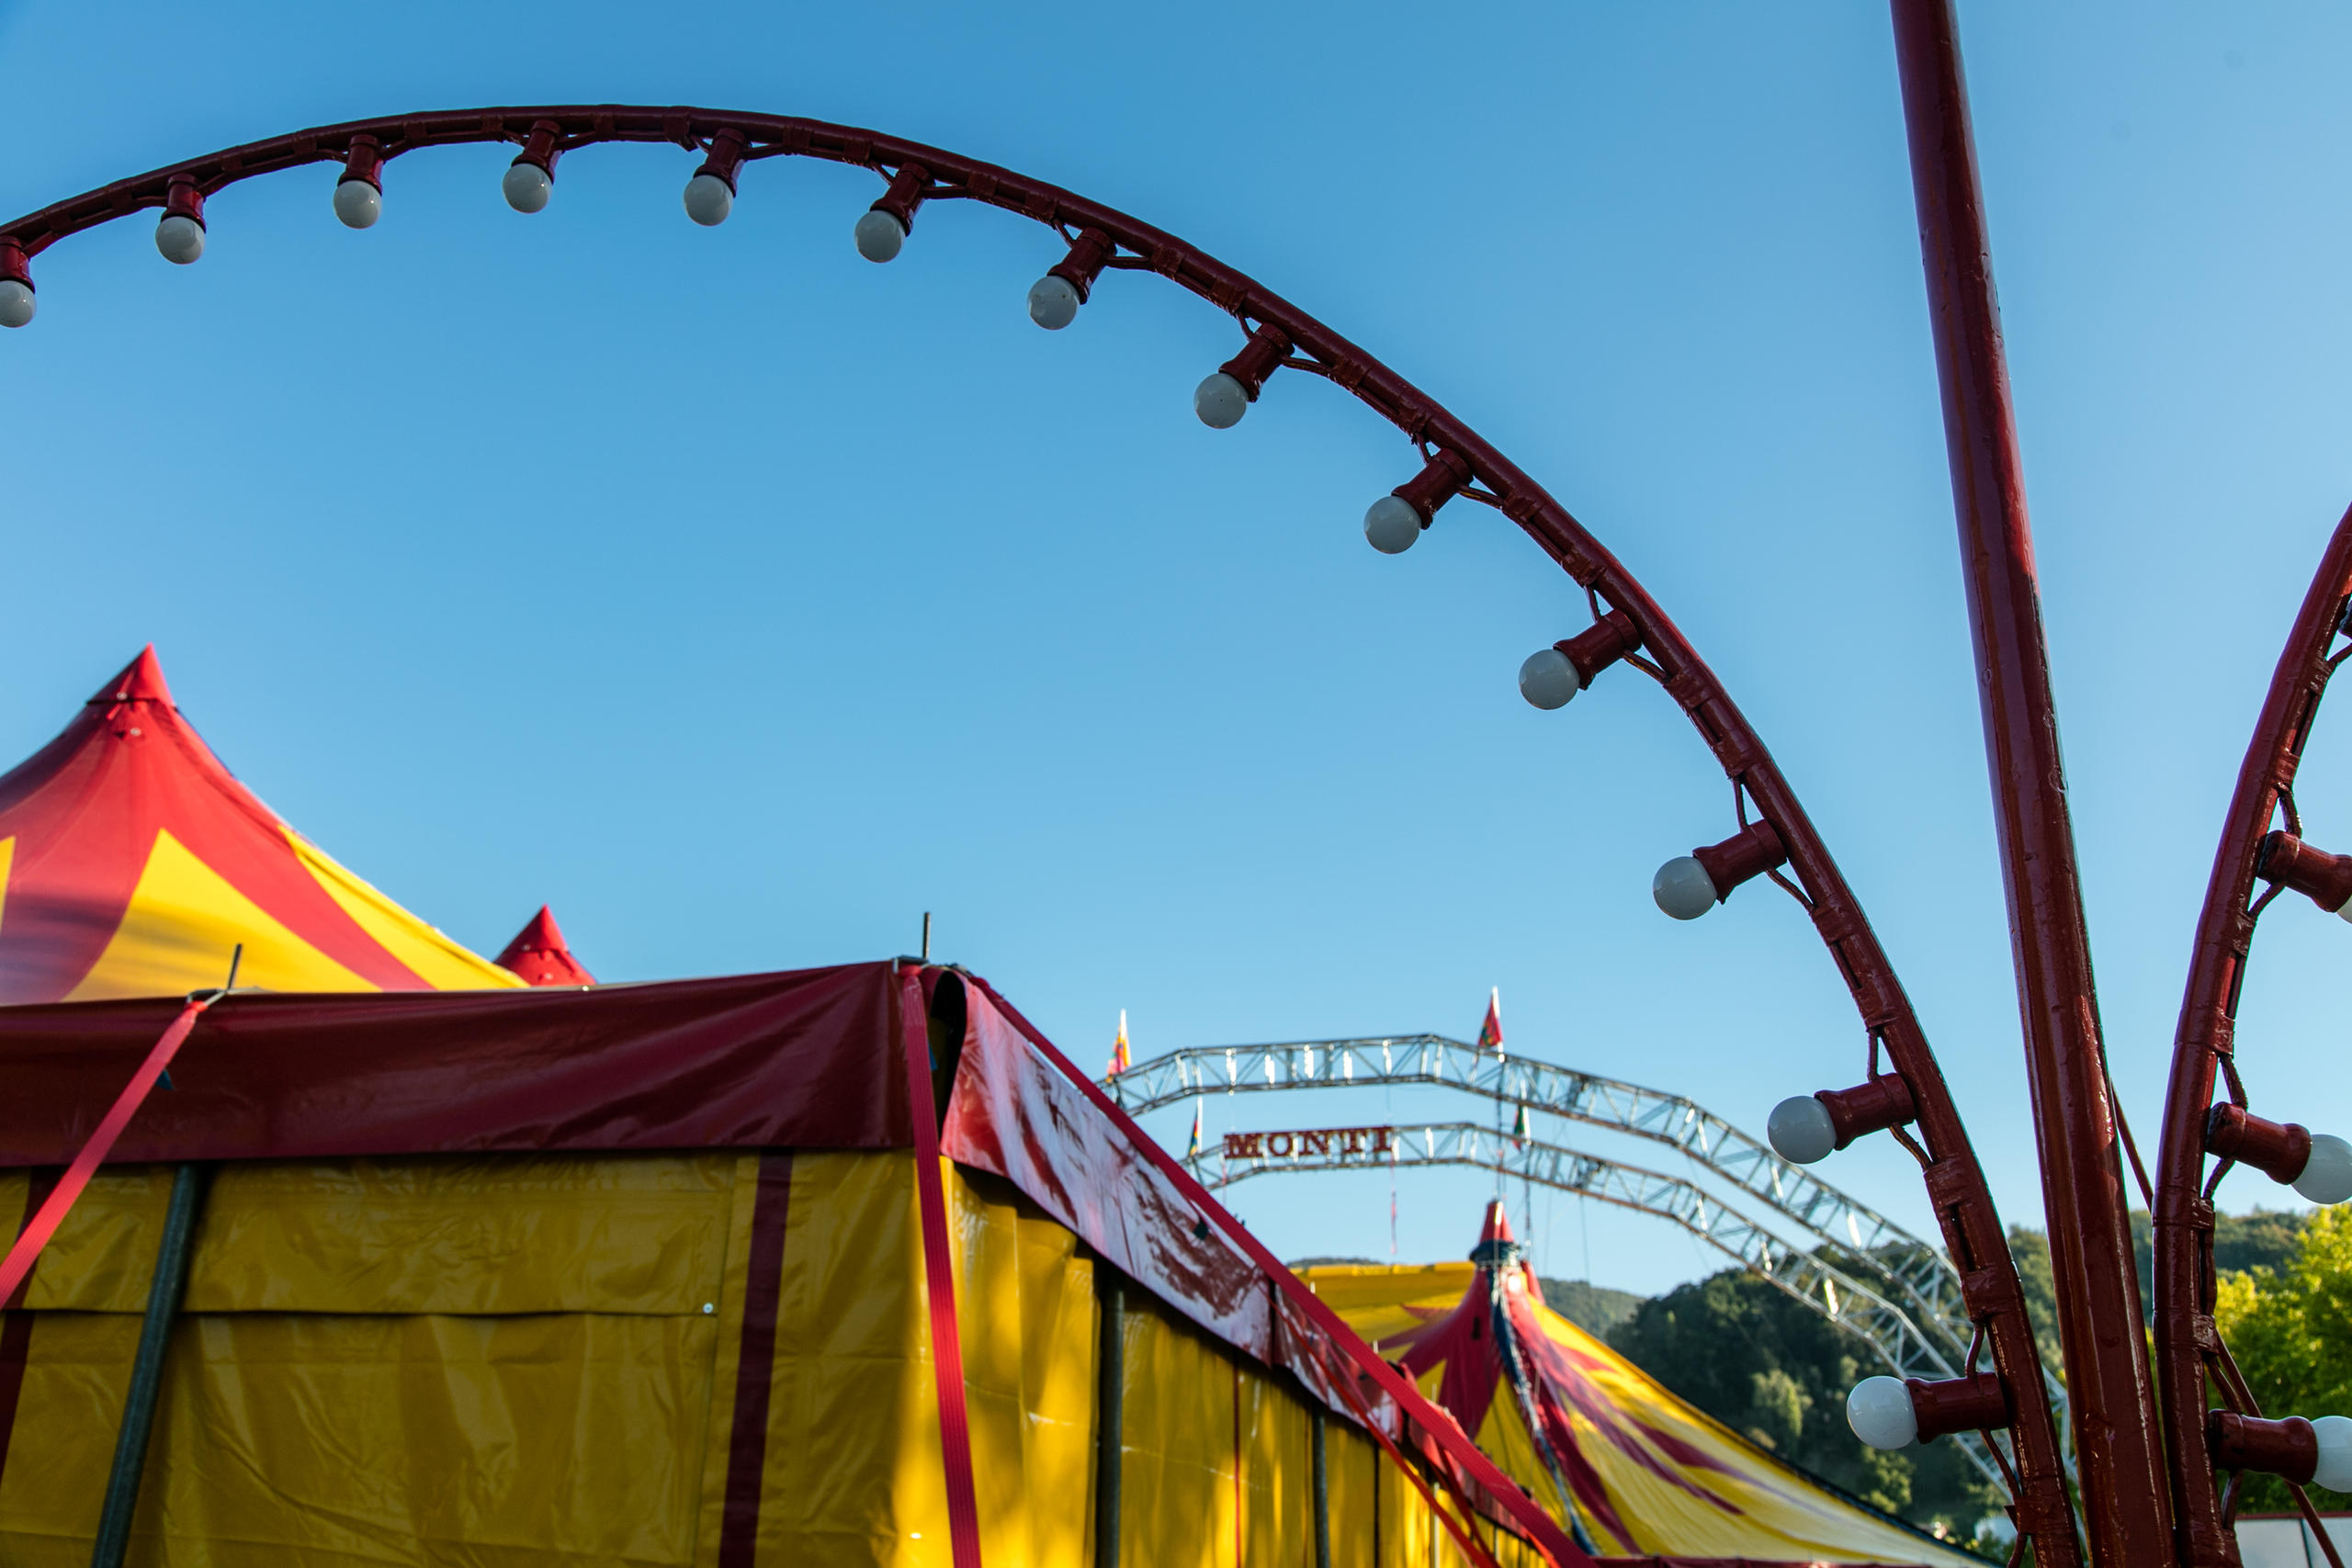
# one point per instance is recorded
(853, 1464)
(350, 1441)
(104, 1253)
(1178, 1493)
(1352, 1463)
(1277, 1474)
(323, 1404)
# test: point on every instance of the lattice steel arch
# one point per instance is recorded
(1898, 1340)
(1910, 1269)
(1913, 1269)
(1457, 461)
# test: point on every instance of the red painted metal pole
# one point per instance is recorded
(2118, 1457)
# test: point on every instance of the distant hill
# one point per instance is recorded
(1596, 1309)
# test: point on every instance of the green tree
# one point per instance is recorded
(2290, 1329)
(1778, 1373)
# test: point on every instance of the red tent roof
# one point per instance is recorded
(132, 864)
(538, 956)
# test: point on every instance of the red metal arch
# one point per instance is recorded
(2189, 1348)
(1963, 1205)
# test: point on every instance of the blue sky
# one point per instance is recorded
(745, 600)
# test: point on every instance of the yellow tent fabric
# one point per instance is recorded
(513, 1362)
(1675, 1481)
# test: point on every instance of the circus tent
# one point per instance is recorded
(539, 956)
(1615, 1456)
(843, 1266)
(133, 864)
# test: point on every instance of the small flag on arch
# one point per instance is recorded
(1192, 1149)
(1490, 1033)
(1518, 1127)
(1121, 1059)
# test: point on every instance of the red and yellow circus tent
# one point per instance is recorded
(1612, 1454)
(133, 864)
(843, 1266)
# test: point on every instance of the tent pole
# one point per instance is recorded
(1322, 1498)
(147, 1369)
(1110, 1437)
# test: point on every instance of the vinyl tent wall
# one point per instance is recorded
(636, 1276)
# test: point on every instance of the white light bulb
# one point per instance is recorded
(527, 186)
(2346, 912)
(1682, 889)
(878, 236)
(1392, 524)
(1220, 400)
(709, 200)
(1053, 303)
(2327, 1176)
(1549, 680)
(1801, 1131)
(15, 304)
(1880, 1412)
(358, 204)
(2334, 1433)
(181, 239)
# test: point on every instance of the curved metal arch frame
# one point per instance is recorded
(1956, 1186)
(2189, 1347)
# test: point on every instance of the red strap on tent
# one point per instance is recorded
(36, 1236)
(939, 1271)
(1539, 1528)
(1471, 1546)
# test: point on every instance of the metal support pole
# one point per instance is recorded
(1110, 1411)
(2111, 1393)
(1322, 1498)
(163, 1295)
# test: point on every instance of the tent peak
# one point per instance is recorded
(140, 681)
(1495, 1247)
(538, 955)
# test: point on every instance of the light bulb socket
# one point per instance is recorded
(908, 189)
(1601, 645)
(2287, 1447)
(1746, 854)
(365, 162)
(542, 145)
(2278, 1149)
(2291, 862)
(1440, 480)
(1974, 1403)
(1885, 1102)
(184, 199)
(14, 266)
(1259, 358)
(1089, 254)
(725, 157)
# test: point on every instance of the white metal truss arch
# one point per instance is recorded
(1911, 1275)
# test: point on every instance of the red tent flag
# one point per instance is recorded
(1490, 1033)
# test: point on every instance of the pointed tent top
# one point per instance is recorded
(133, 864)
(538, 956)
(1497, 1250)
(140, 681)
